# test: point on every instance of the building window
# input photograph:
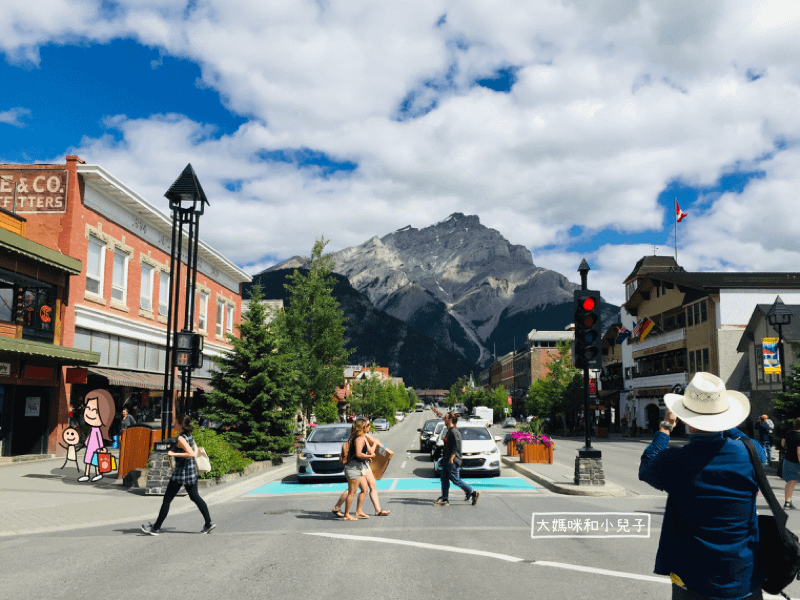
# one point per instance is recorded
(119, 278)
(7, 302)
(703, 312)
(146, 294)
(163, 294)
(202, 313)
(220, 317)
(95, 263)
(230, 320)
(38, 313)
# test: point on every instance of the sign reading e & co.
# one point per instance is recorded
(37, 190)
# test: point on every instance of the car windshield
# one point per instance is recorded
(329, 435)
(475, 433)
(381, 421)
(438, 429)
(429, 425)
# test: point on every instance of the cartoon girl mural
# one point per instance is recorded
(98, 412)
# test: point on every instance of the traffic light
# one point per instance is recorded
(586, 351)
(188, 350)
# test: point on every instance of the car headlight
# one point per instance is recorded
(306, 454)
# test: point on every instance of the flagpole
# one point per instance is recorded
(676, 230)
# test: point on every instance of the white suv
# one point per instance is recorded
(479, 451)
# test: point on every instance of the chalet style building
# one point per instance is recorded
(684, 322)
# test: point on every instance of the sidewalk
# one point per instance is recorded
(40, 497)
(560, 479)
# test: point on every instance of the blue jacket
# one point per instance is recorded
(709, 537)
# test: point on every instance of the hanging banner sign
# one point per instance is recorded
(772, 365)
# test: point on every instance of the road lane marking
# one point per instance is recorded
(403, 466)
(364, 538)
(504, 557)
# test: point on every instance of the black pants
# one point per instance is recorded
(172, 489)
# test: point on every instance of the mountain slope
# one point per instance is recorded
(379, 337)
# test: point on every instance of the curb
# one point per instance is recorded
(570, 489)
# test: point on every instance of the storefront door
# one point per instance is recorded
(29, 420)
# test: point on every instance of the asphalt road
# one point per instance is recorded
(291, 546)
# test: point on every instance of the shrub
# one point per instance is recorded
(224, 457)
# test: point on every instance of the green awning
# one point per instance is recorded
(61, 354)
(20, 245)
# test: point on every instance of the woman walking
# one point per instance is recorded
(791, 463)
(367, 484)
(358, 457)
(184, 474)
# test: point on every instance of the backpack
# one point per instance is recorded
(343, 454)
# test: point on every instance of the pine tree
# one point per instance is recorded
(314, 325)
(254, 387)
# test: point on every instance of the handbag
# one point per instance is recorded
(103, 462)
(778, 548)
(201, 460)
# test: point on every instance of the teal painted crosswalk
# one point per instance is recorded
(412, 484)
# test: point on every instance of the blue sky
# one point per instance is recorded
(569, 127)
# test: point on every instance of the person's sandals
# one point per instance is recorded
(362, 516)
(383, 513)
(338, 513)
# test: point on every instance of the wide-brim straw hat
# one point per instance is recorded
(706, 404)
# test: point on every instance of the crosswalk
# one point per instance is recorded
(410, 484)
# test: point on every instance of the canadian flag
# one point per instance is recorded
(679, 214)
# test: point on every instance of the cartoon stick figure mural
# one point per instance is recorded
(98, 413)
(72, 438)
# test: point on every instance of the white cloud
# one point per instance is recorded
(14, 116)
(613, 101)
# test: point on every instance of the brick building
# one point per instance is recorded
(116, 306)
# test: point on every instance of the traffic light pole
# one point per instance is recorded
(588, 463)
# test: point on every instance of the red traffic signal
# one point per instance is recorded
(587, 348)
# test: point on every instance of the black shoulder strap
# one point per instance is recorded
(763, 485)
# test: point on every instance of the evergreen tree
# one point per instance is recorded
(314, 324)
(787, 404)
(254, 387)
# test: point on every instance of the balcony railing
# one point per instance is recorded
(659, 379)
(658, 338)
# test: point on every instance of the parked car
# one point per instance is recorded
(479, 452)
(425, 434)
(399, 416)
(510, 422)
(436, 443)
(320, 455)
(381, 424)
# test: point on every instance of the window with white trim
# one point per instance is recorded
(95, 265)
(163, 294)
(202, 313)
(220, 317)
(230, 319)
(146, 293)
(119, 278)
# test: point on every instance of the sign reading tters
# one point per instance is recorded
(37, 190)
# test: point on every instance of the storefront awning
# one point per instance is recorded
(60, 354)
(204, 385)
(17, 244)
(135, 379)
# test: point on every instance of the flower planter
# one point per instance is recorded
(536, 453)
(511, 448)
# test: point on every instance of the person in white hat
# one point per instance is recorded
(709, 537)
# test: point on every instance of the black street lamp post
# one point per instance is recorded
(778, 316)
(184, 349)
